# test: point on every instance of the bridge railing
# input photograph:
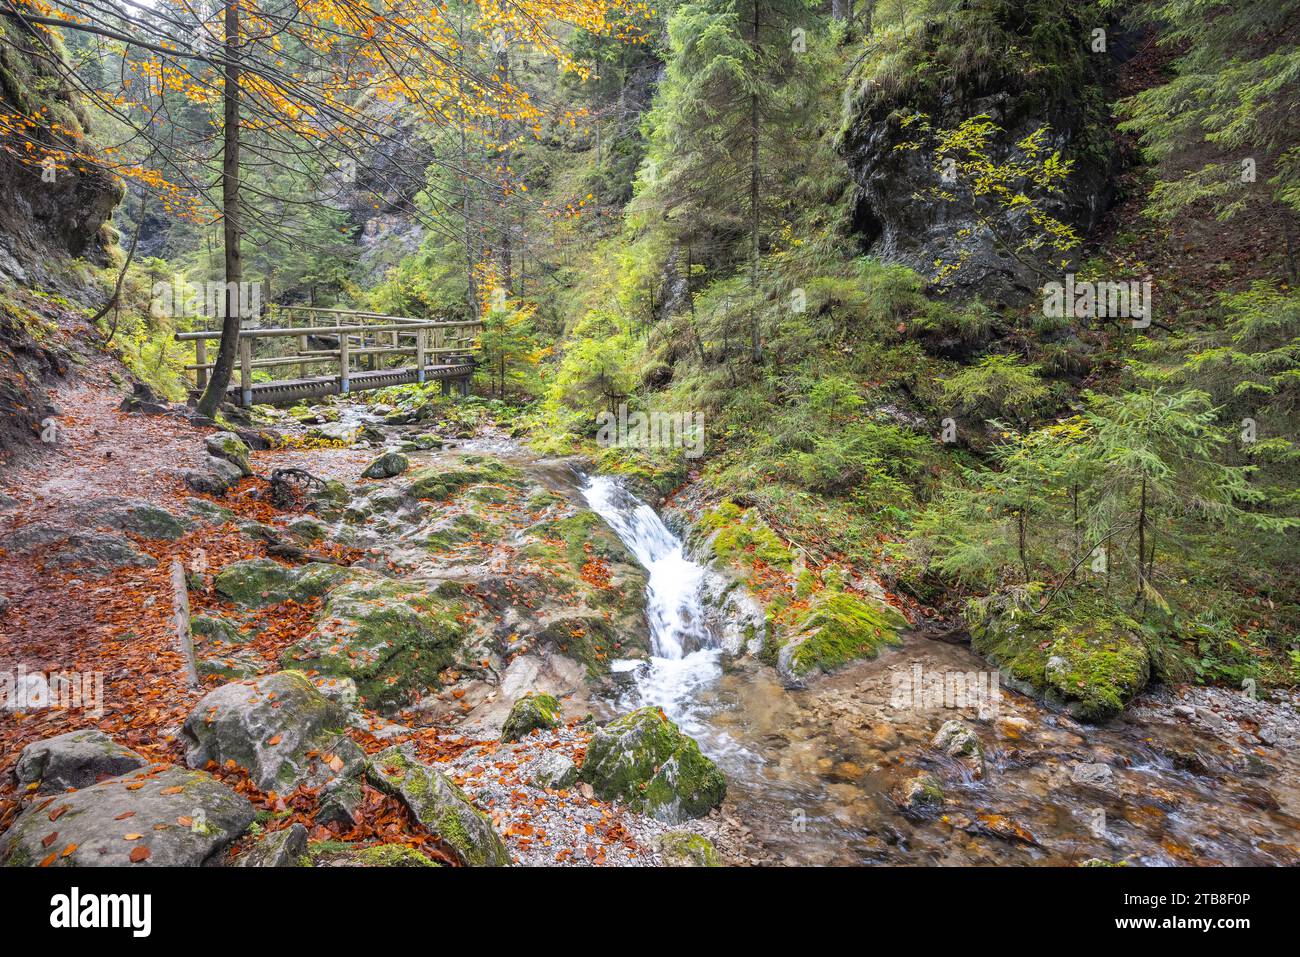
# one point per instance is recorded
(343, 337)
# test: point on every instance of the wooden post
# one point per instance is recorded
(201, 358)
(246, 371)
(344, 359)
(419, 355)
(181, 617)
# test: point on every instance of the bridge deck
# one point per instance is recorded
(317, 387)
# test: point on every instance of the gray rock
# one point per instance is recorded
(439, 805)
(130, 515)
(77, 759)
(278, 727)
(1095, 774)
(185, 818)
(218, 476)
(231, 448)
(552, 770)
(100, 553)
(283, 848)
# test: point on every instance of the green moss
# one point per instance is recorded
(684, 849)
(392, 855)
(436, 482)
(531, 712)
(840, 627)
(392, 638)
(742, 538)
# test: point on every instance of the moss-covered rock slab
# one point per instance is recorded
(839, 627)
(391, 637)
(257, 582)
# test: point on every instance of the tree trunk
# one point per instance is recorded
(1142, 543)
(231, 221)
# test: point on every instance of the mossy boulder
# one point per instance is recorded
(391, 637)
(439, 805)
(531, 712)
(257, 582)
(738, 537)
(1088, 660)
(387, 465)
(229, 446)
(684, 849)
(279, 727)
(644, 760)
(838, 627)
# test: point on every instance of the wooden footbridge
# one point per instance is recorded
(364, 350)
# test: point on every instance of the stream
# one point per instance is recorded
(1190, 775)
(812, 773)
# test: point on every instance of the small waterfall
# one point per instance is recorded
(685, 655)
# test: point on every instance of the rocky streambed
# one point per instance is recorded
(445, 584)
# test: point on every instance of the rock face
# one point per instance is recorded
(278, 727)
(943, 70)
(439, 805)
(183, 819)
(532, 712)
(644, 760)
(74, 760)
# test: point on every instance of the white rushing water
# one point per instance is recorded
(684, 651)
